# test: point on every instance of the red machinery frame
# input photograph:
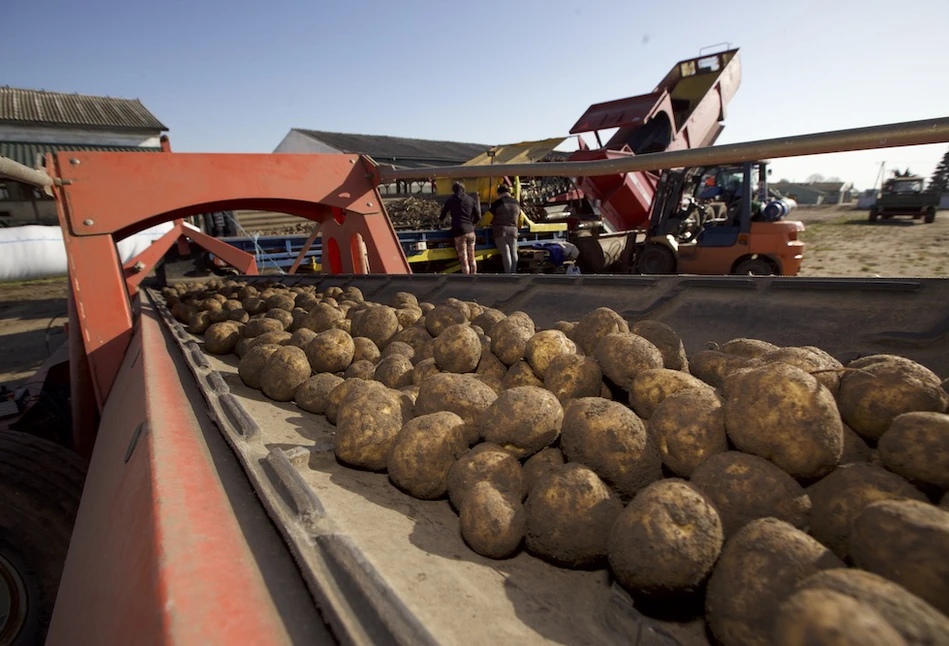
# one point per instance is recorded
(104, 197)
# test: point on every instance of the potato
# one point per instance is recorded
(915, 620)
(278, 338)
(423, 370)
(666, 541)
(183, 312)
(364, 348)
(209, 304)
(284, 316)
(855, 449)
(282, 301)
(520, 374)
(330, 351)
(333, 292)
(403, 299)
(838, 499)
(540, 463)
(239, 315)
(398, 347)
(444, 316)
(808, 361)
(509, 337)
(416, 336)
(490, 366)
(916, 446)
(256, 327)
(463, 395)
(361, 369)
(408, 315)
(487, 319)
(423, 452)
(352, 293)
(571, 375)
(689, 428)
(377, 323)
(612, 441)
(747, 348)
(302, 337)
(394, 371)
(283, 373)
(252, 364)
(828, 618)
(569, 515)
(457, 349)
(650, 387)
(219, 316)
(522, 420)
(322, 318)
(566, 327)
(905, 541)
(544, 346)
(486, 462)
(883, 387)
(666, 341)
(220, 338)
(368, 421)
(305, 301)
(712, 366)
(341, 392)
(759, 567)
(783, 414)
(231, 304)
(247, 291)
(492, 524)
(596, 325)
(745, 487)
(312, 395)
(199, 322)
(254, 305)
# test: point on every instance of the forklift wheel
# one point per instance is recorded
(754, 267)
(40, 485)
(930, 216)
(657, 259)
(873, 214)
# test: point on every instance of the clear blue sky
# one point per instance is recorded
(235, 76)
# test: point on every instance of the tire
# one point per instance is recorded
(873, 214)
(754, 267)
(40, 486)
(656, 259)
(930, 216)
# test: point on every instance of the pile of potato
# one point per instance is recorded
(797, 500)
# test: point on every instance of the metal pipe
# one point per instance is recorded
(17, 171)
(911, 133)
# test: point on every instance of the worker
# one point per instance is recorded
(465, 215)
(506, 218)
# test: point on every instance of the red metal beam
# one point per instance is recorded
(157, 555)
(135, 273)
(243, 261)
(306, 247)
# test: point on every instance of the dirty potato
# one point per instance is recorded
(712, 366)
(540, 463)
(783, 414)
(313, 393)
(509, 337)
(220, 338)
(824, 367)
(689, 428)
(544, 346)
(364, 348)
(330, 351)
(758, 568)
(666, 340)
(486, 462)
(403, 299)
(377, 323)
(650, 387)
(463, 395)
(570, 376)
(916, 621)
(916, 446)
(492, 524)
(569, 515)
(361, 369)
(444, 316)
(595, 325)
(905, 541)
(199, 322)
(522, 420)
(880, 388)
(745, 487)
(283, 373)
(838, 499)
(284, 316)
(301, 337)
(829, 618)
(340, 392)
(487, 319)
(520, 374)
(368, 421)
(398, 347)
(666, 541)
(490, 366)
(423, 370)
(855, 449)
(423, 452)
(416, 336)
(747, 348)
(624, 356)
(395, 371)
(611, 440)
(457, 349)
(322, 317)
(252, 364)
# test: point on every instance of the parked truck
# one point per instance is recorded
(905, 195)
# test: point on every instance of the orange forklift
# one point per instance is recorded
(719, 220)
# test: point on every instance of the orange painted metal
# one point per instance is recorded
(137, 268)
(233, 256)
(157, 555)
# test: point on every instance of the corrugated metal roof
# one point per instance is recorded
(26, 153)
(61, 109)
(401, 152)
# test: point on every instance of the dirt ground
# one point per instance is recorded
(840, 242)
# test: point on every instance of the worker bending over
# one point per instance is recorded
(507, 218)
(465, 215)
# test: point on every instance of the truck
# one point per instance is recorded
(904, 194)
(177, 505)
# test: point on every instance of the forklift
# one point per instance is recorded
(719, 220)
